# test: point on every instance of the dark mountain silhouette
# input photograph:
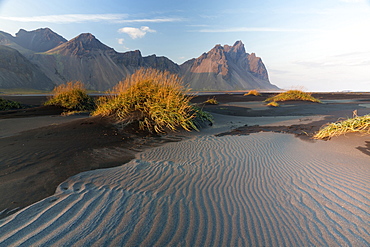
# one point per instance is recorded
(100, 67)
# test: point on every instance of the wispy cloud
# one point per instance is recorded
(354, 59)
(354, 1)
(77, 18)
(333, 63)
(256, 29)
(154, 20)
(135, 33)
(67, 18)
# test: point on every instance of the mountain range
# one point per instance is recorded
(42, 59)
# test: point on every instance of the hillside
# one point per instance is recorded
(226, 68)
(99, 67)
(17, 72)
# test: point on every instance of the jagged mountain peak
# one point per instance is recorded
(100, 67)
(39, 40)
(45, 30)
(88, 42)
(226, 68)
(238, 48)
(83, 44)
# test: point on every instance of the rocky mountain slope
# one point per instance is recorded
(100, 67)
(39, 40)
(226, 68)
(17, 72)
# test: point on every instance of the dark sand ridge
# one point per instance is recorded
(34, 162)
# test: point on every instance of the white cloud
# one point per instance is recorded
(66, 18)
(120, 41)
(135, 33)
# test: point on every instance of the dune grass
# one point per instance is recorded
(9, 105)
(72, 96)
(293, 95)
(359, 124)
(211, 101)
(253, 92)
(273, 104)
(157, 100)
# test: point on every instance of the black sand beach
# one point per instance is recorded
(34, 162)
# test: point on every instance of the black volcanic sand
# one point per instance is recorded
(336, 106)
(33, 163)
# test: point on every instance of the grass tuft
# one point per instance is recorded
(72, 96)
(253, 92)
(293, 95)
(211, 101)
(9, 105)
(273, 104)
(157, 100)
(359, 124)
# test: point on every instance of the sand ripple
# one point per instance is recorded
(265, 189)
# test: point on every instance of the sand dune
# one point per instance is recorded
(264, 189)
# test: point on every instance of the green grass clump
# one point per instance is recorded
(72, 96)
(9, 105)
(157, 100)
(293, 95)
(356, 124)
(211, 101)
(253, 92)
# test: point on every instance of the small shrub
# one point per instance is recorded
(8, 105)
(71, 96)
(202, 116)
(293, 95)
(356, 124)
(253, 92)
(273, 104)
(157, 100)
(211, 101)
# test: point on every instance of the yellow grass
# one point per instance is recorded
(156, 99)
(211, 101)
(293, 95)
(359, 124)
(253, 92)
(72, 96)
(273, 104)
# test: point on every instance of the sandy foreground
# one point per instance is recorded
(238, 189)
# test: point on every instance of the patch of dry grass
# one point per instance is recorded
(293, 95)
(273, 104)
(359, 124)
(211, 101)
(157, 100)
(253, 92)
(72, 96)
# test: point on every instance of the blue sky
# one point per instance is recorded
(317, 45)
